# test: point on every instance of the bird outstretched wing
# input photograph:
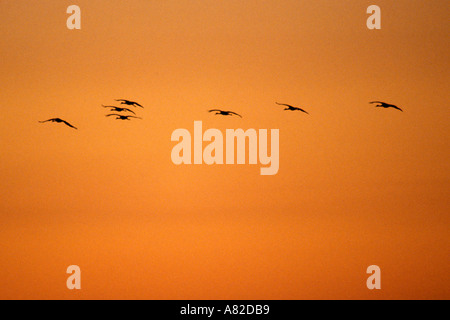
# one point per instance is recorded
(284, 104)
(212, 110)
(129, 110)
(68, 124)
(46, 120)
(232, 112)
(395, 107)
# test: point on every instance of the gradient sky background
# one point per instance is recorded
(357, 185)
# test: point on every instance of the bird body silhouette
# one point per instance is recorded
(58, 120)
(121, 116)
(129, 103)
(118, 109)
(291, 108)
(224, 113)
(385, 105)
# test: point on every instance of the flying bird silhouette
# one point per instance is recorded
(118, 109)
(291, 108)
(224, 113)
(121, 117)
(385, 105)
(58, 120)
(129, 103)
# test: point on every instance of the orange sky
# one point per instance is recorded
(357, 185)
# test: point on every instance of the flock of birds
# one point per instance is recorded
(125, 115)
(123, 109)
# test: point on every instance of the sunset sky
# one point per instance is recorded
(357, 185)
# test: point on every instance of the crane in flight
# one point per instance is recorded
(224, 113)
(58, 120)
(291, 108)
(385, 105)
(121, 117)
(118, 109)
(129, 103)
